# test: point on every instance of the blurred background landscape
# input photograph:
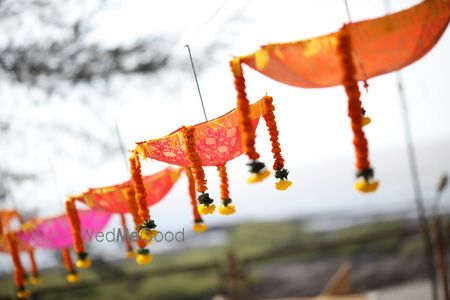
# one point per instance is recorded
(76, 72)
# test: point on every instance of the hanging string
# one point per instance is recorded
(121, 146)
(196, 80)
(348, 11)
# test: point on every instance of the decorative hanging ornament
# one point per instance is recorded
(199, 225)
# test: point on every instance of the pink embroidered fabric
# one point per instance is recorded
(217, 141)
(54, 233)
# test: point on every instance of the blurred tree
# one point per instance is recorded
(46, 55)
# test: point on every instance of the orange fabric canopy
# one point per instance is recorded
(113, 198)
(217, 141)
(380, 46)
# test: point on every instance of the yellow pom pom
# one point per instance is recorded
(258, 177)
(83, 263)
(365, 121)
(199, 227)
(365, 186)
(72, 277)
(283, 185)
(144, 259)
(147, 235)
(262, 59)
(131, 254)
(206, 210)
(23, 294)
(227, 210)
(35, 280)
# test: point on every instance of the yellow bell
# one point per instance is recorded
(144, 259)
(23, 294)
(72, 277)
(366, 187)
(365, 121)
(200, 227)
(84, 263)
(147, 235)
(35, 280)
(283, 185)
(227, 210)
(206, 210)
(258, 177)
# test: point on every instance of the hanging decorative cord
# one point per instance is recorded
(257, 168)
(72, 275)
(227, 207)
(199, 225)
(83, 260)
(206, 206)
(34, 279)
(281, 174)
(146, 229)
(130, 250)
(365, 173)
(19, 273)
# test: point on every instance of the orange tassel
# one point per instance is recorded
(83, 260)
(132, 206)
(246, 128)
(199, 225)
(227, 207)
(206, 203)
(19, 273)
(355, 112)
(146, 229)
(123, 221)
(280, 172)
(34, 268)
(67, 260)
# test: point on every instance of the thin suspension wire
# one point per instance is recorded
(415, 178)
(196, 81)
(121, 146)
(348, 11)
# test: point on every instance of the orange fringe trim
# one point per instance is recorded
(192, 194)
(123, 221)
(243, 107)
(224, 187)
(67, 260)
(354, 102)
(19, 273)
(132, 206)
(194, 158)
(141, 194)
(269, 118)
(34, 268)
(74, 220)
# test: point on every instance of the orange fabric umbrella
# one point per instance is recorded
(379, 46)
(216, 141)
(114, 198)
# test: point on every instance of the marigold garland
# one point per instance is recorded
(257, 168)
(35, 279)
(72, 275)
(206, 206)
(355, 111)
(280, 172)
(132, 206)
(19, 273)
(147, 228)
(199, 225)
(227, 207)
(83, 260)
(130, 251)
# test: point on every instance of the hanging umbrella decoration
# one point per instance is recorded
(211, 143)
(121, 199)
(9, 244)
(55, 234)
(357, 52)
